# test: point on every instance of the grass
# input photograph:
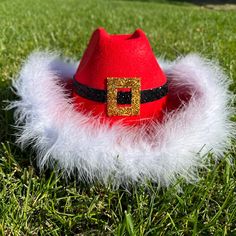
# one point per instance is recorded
(44, 204)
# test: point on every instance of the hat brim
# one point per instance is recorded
(76, 141)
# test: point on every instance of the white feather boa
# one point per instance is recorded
(74, 141)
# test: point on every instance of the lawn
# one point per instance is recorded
(33, 203)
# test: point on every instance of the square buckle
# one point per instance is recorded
(113, 84)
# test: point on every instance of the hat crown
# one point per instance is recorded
(120, 56)
(119, 78)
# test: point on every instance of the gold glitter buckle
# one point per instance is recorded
(113, 84)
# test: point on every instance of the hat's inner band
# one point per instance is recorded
(100, 95)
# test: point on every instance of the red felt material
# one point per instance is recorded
(120, 56)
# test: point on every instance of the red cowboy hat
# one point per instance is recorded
(111, 65)
(118, 116)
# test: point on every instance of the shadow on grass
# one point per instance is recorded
(196, 2)
(8, 147)
(6, 116)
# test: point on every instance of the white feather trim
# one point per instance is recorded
(119, 154)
